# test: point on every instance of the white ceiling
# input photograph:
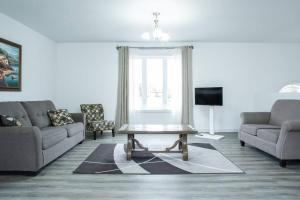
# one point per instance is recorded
(184, 20)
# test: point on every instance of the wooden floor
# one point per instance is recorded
(263, 178)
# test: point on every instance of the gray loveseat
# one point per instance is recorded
(276, 132)
(36, 143)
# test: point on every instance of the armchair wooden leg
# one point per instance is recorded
(282, 163)
(242, 143)
(113, 132)
(95, 134)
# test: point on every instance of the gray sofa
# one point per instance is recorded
(276, 132)
(36, 143)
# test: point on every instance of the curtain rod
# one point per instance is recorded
(118, 47)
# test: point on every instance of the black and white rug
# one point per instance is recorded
(111, 159)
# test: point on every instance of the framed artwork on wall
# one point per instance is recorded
(10, 66)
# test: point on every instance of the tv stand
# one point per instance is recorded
(211, 120)
(211, 134)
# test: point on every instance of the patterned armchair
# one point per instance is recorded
(95, 119)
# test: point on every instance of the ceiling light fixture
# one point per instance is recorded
(157, 34)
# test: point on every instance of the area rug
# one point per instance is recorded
(111, 159)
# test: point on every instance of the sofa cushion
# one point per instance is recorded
(252, 128)
(38, 112)
(52, 135)
(60, 117)
(284, 110)
(270, 135)
(74, 129)
(15, 110)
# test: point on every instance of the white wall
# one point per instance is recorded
(251, 75)
(87, 73)
(38, 61)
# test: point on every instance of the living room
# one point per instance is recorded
(71, 54)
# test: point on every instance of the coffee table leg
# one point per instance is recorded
(180, 143)
(185, 155)
(129, 146)
(133, 143)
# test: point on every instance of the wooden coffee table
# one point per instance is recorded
(181, 130)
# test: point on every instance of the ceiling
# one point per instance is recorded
(184, 20)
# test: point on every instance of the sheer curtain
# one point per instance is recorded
(155, 85)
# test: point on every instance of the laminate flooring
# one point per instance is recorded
(263, 178)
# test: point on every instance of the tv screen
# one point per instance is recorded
(212, 96)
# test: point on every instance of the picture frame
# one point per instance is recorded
(10, 66)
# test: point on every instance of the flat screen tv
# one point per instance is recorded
(212, 96)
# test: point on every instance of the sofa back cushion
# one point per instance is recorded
(93, 112)
(283, 110)
(15, 110)
(38, 112)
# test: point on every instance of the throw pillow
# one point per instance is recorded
(9, 121)
(60, 117)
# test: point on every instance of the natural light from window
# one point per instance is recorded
(155, 80)
(291, 88)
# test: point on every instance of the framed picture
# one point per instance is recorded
(10, 66)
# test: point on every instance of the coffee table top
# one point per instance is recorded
(156, 129)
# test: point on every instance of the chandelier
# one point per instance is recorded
(157, 34)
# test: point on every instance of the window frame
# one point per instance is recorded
(165, 107)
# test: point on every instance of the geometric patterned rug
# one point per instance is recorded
(111, 159)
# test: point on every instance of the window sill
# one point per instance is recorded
(154, 111)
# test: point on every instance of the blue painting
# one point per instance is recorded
(10, 66)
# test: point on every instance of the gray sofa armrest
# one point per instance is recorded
(20, 149)
(287, 146)
(79, 117)
(291, 125)
(255, 117)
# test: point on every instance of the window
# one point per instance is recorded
(155, 80)
(291, 88)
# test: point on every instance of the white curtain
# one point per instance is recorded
(122, 112)
(187, 86)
